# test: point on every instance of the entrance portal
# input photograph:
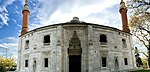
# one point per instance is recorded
(74, 63)
(74, 53)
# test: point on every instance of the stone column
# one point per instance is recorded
(90, 49)
(59, 49)
(19, 54)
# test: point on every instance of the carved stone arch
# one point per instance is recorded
(74, 45)
(74, 52)
(74, 42)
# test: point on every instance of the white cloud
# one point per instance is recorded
(46, 12)
(3, 12)
(12, 49)
(9, 40)
(10, 43)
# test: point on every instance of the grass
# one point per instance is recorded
(141, 71)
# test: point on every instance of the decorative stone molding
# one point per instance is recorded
(58, 43)
(103, 53)
(74, 42)
(90, 42)
(74, 45)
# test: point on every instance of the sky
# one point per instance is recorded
(47, 12)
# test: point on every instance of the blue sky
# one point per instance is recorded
(47, 12)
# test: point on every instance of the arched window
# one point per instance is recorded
(46, 40)
(26, 63)
(125, 61)
(103, 39)
(124, 43)
(27, 44)
(104, 61)
(45, 62)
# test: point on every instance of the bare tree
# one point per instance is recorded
(140, 22)
(142, 6)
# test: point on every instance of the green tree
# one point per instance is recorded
(7, 64)
(140, 28)
(140, 22)
(144, 61)
(139, 62)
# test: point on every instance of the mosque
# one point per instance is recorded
(75, 46)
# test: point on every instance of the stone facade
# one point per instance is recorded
(75, 46)
(76, 39)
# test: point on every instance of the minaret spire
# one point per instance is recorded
(26, 1)
(26, 5)
(123, 11)
(25, 20)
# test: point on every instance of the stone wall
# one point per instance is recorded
(92, 50)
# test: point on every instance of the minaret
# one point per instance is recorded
(25, 19)
(123, 12)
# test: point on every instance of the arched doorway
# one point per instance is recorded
(74, 60)
(116, 64)
(34, 66)
(74, 53)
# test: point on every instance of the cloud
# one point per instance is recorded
(11, 49)
(3, 12)
(47, 12)
(10, 43)
(9, 40)
(109, 16)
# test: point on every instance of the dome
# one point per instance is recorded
(75, 20)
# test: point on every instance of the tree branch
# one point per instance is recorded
(144, 54)
(144, 36)
(144, 2)
(142, 41)
(144, 29)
